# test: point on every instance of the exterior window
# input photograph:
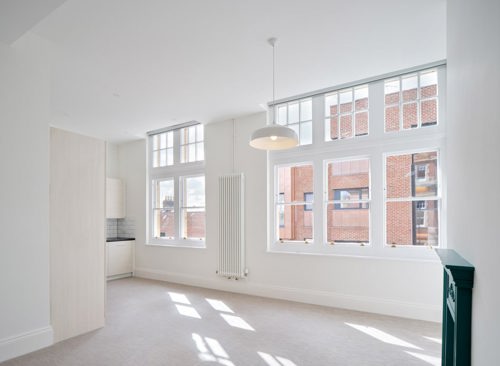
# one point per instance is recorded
(308, 197)
(177, 190)
(380, 191)
(163, 149)
(412, 202)
(163, 208)
(411, 101)
(298, 116)
(348, 201)
(191, 145)
(346, 113)
(193, 207)
(281, 209)
(296, 183)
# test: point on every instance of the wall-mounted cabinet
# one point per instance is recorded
(115, 198)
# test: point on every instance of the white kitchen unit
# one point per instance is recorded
(115, 198)
(120, 259)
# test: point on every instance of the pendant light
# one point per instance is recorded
(274, 136)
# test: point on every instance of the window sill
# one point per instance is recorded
(414, 254)
(191, 244)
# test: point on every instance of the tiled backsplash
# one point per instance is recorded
(120, 227)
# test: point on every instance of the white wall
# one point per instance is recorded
(474, 155)
(111, 160)
(24, 197)
(396, 287)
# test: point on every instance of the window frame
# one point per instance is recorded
(438, 197)
(275, 204)
(401, 103)
(182, 207)
(372, 146)
(175, 172)
(334, 202)
(299, 122)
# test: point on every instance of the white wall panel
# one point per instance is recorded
(77, 239)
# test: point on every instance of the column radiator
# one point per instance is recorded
(231, 226)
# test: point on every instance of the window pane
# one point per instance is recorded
(184, 153)
(361, 123)
(163, 157)
(306, 133)
(428, 84)
(164, 223)
(156, 159)
(170, 156)
(184, 137)
(409, 85)
(346, 126)
(361, 98)
(282, 119)
(346, 101)
(306, 110)
(391, 91)
(170, 138)
(193, 223)
(297, 222)
(296, 128)
(392, 118)
(428, 112)
(293, 112)
(412, 223)
(331, 107)
(410, 117)
(350, 176)
(200, 151)
(294, 182)
(402, 179)
(199, 133)
(193, 213)
(331, 128)
(194, 191)
(163, 140)
(192, 134)
(191, 152)
(348, 226)
(165, 194)
(156, 142)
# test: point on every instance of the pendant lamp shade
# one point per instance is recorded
(274, 137)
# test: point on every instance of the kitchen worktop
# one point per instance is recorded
(118, 238)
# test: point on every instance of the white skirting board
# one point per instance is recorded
(25, 343)
(316, 297)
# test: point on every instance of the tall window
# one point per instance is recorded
(294, 203)
(412, 199)
(347, 204)
(375, 162)
(177, 190)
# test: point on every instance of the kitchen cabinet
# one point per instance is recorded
(120, 258)
(115, 198)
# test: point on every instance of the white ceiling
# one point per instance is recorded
(123, 67)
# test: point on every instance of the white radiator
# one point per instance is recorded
(231, 226)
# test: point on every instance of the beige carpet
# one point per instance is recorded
(158, 323)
